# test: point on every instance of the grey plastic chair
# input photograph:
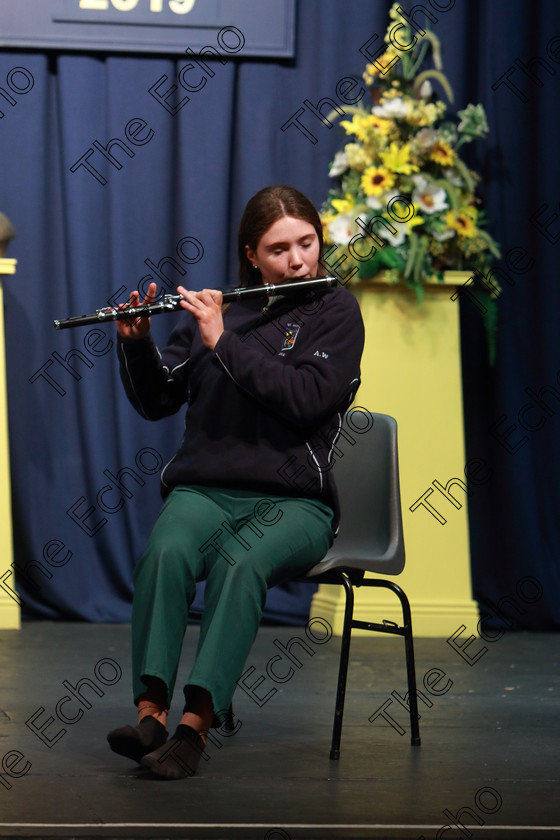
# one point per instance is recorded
(370, 539)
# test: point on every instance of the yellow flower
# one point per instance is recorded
(369, 74)
(393, 92)
(474, 245)
(442, 153)
(383, 63)
(363, 125)
(379, 124)
(436, 248)
(416, 220)
(376, 180)
(357, 156)
(397, 159)
(343, 205)
(424, 113)
(325, 222)
(463, 221)
(389, 59)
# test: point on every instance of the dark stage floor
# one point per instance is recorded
(489, 764)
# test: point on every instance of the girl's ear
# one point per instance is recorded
(251, 255)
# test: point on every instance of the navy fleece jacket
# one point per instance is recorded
(266, 406)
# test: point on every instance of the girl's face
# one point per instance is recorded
(287, 251)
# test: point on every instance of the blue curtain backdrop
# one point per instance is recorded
(80, 243)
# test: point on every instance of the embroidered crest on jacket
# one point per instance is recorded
(290, 336)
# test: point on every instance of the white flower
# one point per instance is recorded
(448, 233)
(380, 202)
(342, 229)
(392, 239)
(339, 164)
(425, 138)
(453, 178)
(431, 198)
(425, 89)
(391, 109)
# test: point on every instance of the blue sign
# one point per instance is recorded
(263, 28)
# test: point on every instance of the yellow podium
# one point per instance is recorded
(411, 369)
(9, 608)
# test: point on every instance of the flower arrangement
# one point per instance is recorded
(400, 177)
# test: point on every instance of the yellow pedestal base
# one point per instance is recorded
(9, 609)
(411, 369)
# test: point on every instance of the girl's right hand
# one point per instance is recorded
(134, 328)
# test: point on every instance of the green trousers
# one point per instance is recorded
(241, 543)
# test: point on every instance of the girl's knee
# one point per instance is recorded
(163, 562)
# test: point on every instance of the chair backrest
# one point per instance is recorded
(367, 477)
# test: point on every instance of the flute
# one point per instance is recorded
(170, 303)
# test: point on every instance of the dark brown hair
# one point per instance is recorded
(262, 210)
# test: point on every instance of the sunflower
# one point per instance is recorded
(376, 180)
(463, 221)
(442, 153)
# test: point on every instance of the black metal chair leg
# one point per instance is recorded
(406, 632)
(413, 699)
(342, 668)
(410, 668)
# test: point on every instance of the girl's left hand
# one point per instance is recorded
(206, 306)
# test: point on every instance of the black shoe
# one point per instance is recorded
(136, 741)
(228, 725)
(179, 757)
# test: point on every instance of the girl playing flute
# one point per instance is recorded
(250, 500)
